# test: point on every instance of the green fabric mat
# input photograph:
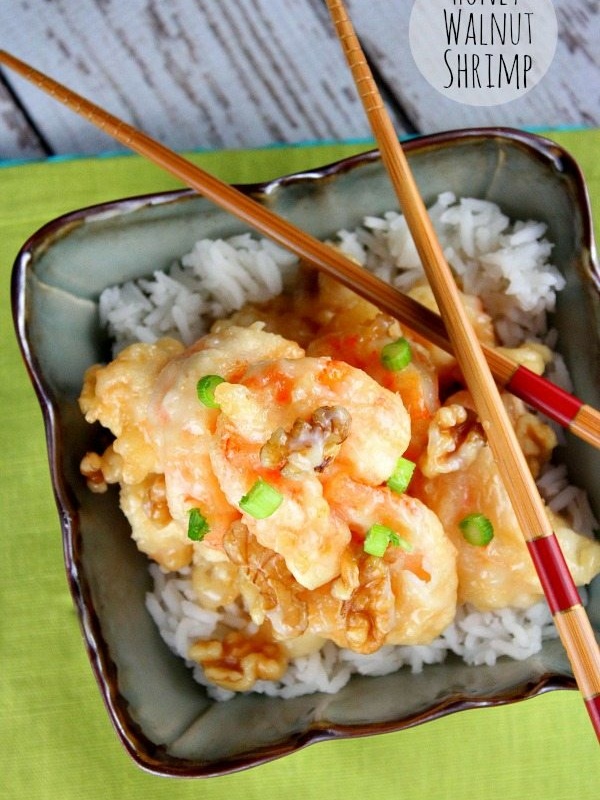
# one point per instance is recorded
(55, 736)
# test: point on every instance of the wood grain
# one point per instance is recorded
(233, 73)
(18, 138)
(242, 73)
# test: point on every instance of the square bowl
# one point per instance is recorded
(163, 717)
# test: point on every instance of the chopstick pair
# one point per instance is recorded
(570, 618)
(557, 404)
(563, 598)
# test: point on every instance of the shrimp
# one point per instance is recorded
(332, 320)
(182, 428)
(400, 598)
(147, 397)
(458, 476)
(117, 396)
(530, 354)
(362, 345)
(287, 419)
(417, 589)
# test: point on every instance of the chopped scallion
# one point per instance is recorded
(401, 476)
(396, 355)
(477, 529)
(197, 525)
(378, 538)
(261, 501)
(205, 389)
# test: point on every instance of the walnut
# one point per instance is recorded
(357, 610)
(455, 438)
(91, 469)
(270, 590)
(310, 444)
(101, 470)
(239, 660)
(155, 504)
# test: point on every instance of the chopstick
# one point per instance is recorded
(561, 593)
(563, 598)
(565, 409)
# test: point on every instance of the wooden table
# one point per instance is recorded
(216, 74)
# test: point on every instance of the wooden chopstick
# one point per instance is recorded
(581, 419)
(569, 615)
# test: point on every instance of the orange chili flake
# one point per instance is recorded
(280, 384)
(333, 373)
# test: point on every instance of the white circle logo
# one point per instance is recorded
(483, 52)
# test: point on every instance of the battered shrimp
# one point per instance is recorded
(459, 476)
(332, 320)
(361, 345)
(182, 428)
(147, 397)
(285, 421)
(399, 598)
(117, 396)
(533, 355)
(421, 595)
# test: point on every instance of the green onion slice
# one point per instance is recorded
(401, 476)
(396, 355)
(205, 389)
(379, 537)
(477, 529)
(261, 501)
(198, 526)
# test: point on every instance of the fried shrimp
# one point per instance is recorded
(117, 395)
(421, 572)
(148, 398)
(458, 476)
(182, 428)
(284, 421)
(362, 346)
(408, 596)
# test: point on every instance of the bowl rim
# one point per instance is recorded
(145, 753)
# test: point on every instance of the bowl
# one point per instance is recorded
(163, 717)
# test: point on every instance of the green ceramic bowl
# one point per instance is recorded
(161, 715)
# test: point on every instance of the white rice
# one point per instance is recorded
(217, 278)
(506, 264)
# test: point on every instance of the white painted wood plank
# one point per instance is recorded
(242, 73)
(568, 95)
(16, 136)
(222, 73)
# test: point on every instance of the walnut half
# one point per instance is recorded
(239, 660)
(311, 444)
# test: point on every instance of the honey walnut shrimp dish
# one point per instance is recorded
(315, 466)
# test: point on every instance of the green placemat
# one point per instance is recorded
(56, 740)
